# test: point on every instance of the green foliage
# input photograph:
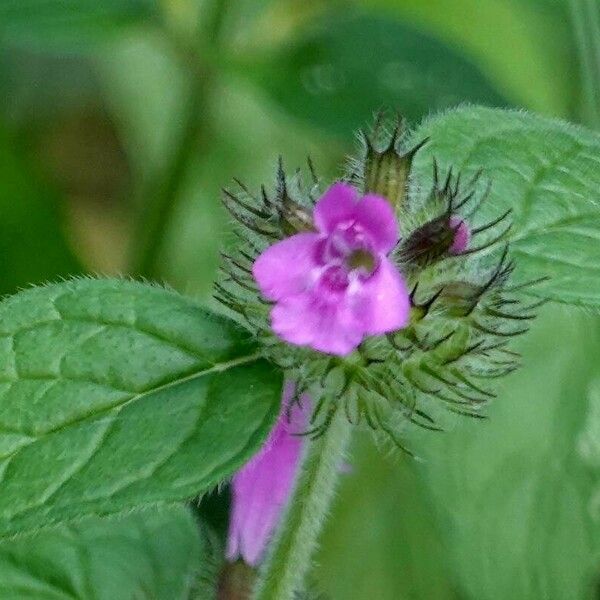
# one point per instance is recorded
(32, 246)
(523, 46)
(75, 23)
(517, 496)
(112, 409)
(116, 394)
(346, 67)
(146, 556)
(547, 172)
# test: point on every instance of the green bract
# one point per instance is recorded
(116, 394)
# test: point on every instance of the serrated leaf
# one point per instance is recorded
(548, 172)
(116, 394)
(517, 496)
(152, 555)
(345, 67)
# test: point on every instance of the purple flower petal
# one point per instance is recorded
(285, 268)
(337, 205)
(376, 215)
(462, 235)
(306, 320)
(334, 287)
(261, 488)
(383, 303)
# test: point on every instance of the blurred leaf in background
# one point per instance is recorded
(524, 46)
(344, 67)
(517, 497)
(73, 24)
(382, 541)
(32, 243)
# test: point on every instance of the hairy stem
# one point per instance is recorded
(585, 15)
(292, 550)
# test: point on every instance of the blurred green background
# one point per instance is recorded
(121, 120)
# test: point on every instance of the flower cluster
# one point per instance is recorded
(389, 303)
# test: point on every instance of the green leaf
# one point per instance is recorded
(381, 515)
(32, 245)
(518, 496)
(76, 23)
(533, 65)
(548, 173)
(146, 556)
(116, 394)
(346, 67)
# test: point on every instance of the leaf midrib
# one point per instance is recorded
(217, 368)
(122, 402)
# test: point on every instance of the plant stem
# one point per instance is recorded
(586, 24)
(216, 20)
(161, 202)
(164, 192)
(292, 549)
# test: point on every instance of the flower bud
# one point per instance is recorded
(432, 240)
(462, 235)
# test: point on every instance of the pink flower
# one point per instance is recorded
(261, 488)
(462, 235)
(335, 286)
